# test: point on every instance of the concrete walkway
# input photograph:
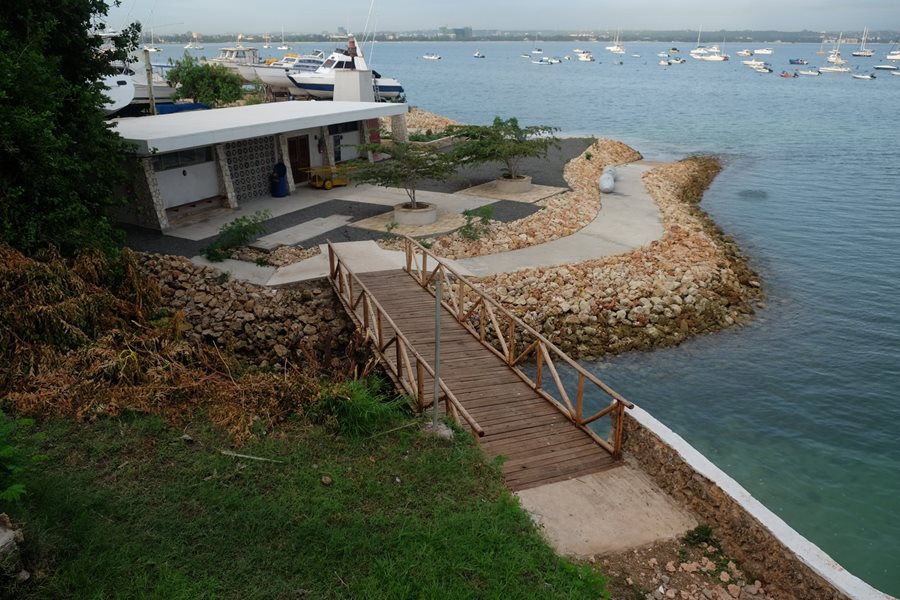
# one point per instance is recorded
(605, 512)
(628, 219)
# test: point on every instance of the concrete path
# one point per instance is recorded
(628, 219)
(605, 512)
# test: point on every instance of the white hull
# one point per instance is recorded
(120, 92)
(763, 51)
(835, 69)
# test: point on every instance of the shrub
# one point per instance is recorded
(358, 407)
(478, 222)
(237, 233)
(13, 460)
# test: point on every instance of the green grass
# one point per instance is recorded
(124, 508)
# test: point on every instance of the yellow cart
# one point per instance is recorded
(327, 177)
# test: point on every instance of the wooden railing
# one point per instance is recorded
(507, 336)
(404, 364)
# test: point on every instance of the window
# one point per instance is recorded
(343, 127)
(185, 158)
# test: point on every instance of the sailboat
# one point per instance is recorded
(267, 41)
(616, 48)
(714, 54)
(863, 51)
(699, 51)
(283, 46)
(836, 62)
(894, 53)
(194, 44)
(151, 47)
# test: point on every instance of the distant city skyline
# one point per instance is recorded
(215, 16)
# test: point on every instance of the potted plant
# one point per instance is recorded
(505, 141)
(407, 167)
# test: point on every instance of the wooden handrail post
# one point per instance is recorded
(512, 341)
(539, 377)
(423, 274)
(380, 330)
(365, 311)
(330, 261)
(407, 251)
(399, 359)
(579, 400)
(461, 299)
(617, 428)
(420, 384)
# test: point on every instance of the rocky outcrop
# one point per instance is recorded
(418, 120)
(266, 326)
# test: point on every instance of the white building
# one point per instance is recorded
(200, 160)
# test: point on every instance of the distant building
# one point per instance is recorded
(342, 31)
(462, 33)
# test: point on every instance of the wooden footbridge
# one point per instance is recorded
(494, 369)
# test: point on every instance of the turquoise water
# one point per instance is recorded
(801, 406)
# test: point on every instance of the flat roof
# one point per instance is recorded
(193, 129)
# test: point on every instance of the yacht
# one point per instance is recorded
(745, 52)
(885, 67)
(233, 56)
(319, 84)
(763, 51)
(893, 54)
(431, 56)
(616, 48)
(585, 56)
(275, 74)
(864, 52)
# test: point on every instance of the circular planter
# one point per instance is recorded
(423, 214)
(519, 185)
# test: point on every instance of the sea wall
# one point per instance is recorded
(789, 565)
(263, 325)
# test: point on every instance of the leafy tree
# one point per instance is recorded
(210, 84)
(504, 141)
(59, 167)
(408, 166)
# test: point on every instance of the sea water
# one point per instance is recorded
(801, 406)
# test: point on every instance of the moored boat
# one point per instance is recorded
(864, 52)
(809, 72)
(478, 54)
(431, 56)
(275, 74)
(863, 76)
(885, 67)
(798, 61)
(763, 51)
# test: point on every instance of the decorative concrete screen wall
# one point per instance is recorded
(251, 162)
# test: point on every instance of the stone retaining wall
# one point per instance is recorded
(264, 325)
(789, 565)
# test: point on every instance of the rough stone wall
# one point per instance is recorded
(742, 535)
(264, 325)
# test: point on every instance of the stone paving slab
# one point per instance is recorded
(446, 222)
(611, 511)
(535, 194)
(297, 234)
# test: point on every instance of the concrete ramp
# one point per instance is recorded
(605, 512)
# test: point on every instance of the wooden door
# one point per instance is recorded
(298, 154)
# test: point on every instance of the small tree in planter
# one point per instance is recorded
(505, 141)
(408, 166)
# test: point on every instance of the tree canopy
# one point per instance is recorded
(504, 141)
(210, 84)
(409, 165)
(59, 158)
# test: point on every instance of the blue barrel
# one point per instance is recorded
(279, 187)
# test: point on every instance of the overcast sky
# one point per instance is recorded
(222, 16)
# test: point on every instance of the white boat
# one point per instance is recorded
(677, 60)
(162, 91)
(663, 54)
(835, 69)
(585, 56)
(283, 45)
(616, 48)
(267, 41)
(809, 72)
(542, 61)
(762, 69)
(745, 52)
(863, 76)
(763, 51)
(319, 84)
(478, 54)
(895, 72)
(194, 44)
(431, 56)
(537, 51)
(893, 53)
(864, 52)
(664, 63)
(635, 55)
(152, 47)
(834, 57)
(554, 60)
(233, 56)
(699, 50)
(754, 62)
(885, 67)
(714, 54)
(275, 74)
(119, 91)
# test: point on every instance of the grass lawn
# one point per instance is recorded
(125, 508)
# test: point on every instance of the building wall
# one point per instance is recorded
(143, 207)
(250, 163)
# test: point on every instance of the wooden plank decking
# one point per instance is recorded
(540, 443)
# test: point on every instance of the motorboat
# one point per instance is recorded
(754, 62)
(663, 54)
(275, 74)
(763, 51)
(233, 56)
(431, 56)
(542, 61)
(834, 57)
(664, 63)
(585, 56)
(885, 67)
(809, 72)
(677, 60)
(119, 92)
(525, 55)
(895, 72)
(835, 69)
(786, 75)
(762, 69)
(478, 54)
(635, 55)
(863, 52)
(798, 61)
(863, 76)
(717, 56)
(745, 52)
(319, 84)
(537, 51)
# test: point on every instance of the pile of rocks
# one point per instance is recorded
(692, 280)
(418, 120)
(264, 325)
(279, 257)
